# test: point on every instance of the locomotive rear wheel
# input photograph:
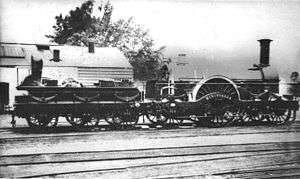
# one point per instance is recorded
(42, 120)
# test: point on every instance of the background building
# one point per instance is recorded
(85, 64)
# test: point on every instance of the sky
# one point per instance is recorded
(214, 35)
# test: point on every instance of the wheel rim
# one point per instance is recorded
(219, 85)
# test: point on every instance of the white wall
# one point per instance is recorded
(13, 76)
(60, 73)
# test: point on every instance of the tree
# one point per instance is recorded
(80, 27)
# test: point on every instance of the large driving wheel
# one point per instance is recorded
(218, 96)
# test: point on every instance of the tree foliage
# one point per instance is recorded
(80, 27)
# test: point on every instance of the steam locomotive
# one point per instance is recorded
(214, 101)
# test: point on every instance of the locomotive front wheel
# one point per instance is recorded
(292, 117)
(282, 116)
(42, 120)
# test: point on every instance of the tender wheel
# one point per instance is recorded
(156, 115)
(113, 119)
(172, 113)
(92, 121)
(157, 118)
(42, 120)
(129, 117)
(84, 119)
(199, 121)
(123, 118)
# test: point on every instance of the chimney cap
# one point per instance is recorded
(43, 46)
(265, 40)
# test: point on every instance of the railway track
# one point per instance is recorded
(147, 164)
(233, 152)
(69, 131)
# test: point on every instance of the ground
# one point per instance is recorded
(187, 152)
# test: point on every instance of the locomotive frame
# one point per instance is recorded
(214, 102)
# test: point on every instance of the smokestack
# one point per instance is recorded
(91, 47)
(264, 51)
(56, 56)
(36, 69)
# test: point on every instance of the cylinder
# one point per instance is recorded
(264, 51)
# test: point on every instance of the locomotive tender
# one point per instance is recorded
(214, 101)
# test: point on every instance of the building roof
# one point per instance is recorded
(12, 51)
(72, 56)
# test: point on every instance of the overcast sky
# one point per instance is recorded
(211, 30)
